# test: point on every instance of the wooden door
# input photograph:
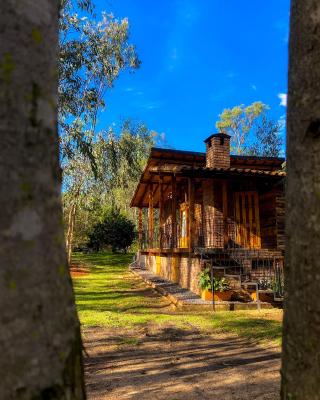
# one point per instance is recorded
(247, 219)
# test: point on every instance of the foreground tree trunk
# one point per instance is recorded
(301, 342)
(40, 344)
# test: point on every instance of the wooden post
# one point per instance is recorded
(161, 213)
(191, 221)
(225, 212)
(174, 211)
(140, 228)
(208, 212)
(150, 217)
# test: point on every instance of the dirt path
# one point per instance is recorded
(170, 363)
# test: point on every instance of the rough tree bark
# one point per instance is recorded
(40, 342)
(301, 342)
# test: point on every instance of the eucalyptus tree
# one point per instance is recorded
(125, 158)
(301, 344)
(252, 131)
(267, 138)
(79, 181)
(40, 340)
(93, 52)
(120, 157)
(238, 121)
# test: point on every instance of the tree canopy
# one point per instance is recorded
(93, 52)
(120, 158)
(252, 130)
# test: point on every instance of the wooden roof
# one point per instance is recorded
(211, 172)
(200, 157)
(186, 163)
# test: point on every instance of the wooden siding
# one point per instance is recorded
(268, 220)
(247, 219)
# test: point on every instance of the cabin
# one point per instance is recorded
(213, 208)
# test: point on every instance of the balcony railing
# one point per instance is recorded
(212, 236)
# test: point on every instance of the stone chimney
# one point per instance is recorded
(218, 151)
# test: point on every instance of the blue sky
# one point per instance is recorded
(199, 57)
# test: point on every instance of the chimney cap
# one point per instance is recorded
(220, 134)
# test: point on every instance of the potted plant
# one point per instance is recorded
(265, 290)
(221, 287)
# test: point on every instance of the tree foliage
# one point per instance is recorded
(115, 230)
(252, 131)
(92, 54)
(267, 139)
(238, 121)
(120, 159)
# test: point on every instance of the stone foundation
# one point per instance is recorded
(179, 268)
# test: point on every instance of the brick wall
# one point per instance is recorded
(166, 267)
(218, 151)
(181, 269)
(151, 263)
(208, 212)
(142, 260)
(280, 218)
(190, 267)
(212, 213)
(198, 220)
(268, 227)
(272, 219)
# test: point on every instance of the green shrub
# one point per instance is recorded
(115, 231)
(219, 284)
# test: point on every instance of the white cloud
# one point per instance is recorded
(283, 99)
(253, 87)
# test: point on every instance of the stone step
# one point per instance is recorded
(185, 300)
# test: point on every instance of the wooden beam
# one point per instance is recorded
(144, 193)
(140, 228)
(174, 211)
(161, 211)
(191, 221)
(157, 193)
(225, 213)
(150, 217)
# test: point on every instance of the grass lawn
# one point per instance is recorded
(109, 295)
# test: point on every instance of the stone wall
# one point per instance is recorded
(189, 269)
(178, 268)
(142, 260)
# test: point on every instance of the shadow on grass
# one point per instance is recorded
(104, 259)
(111, 296)
(185, 362)
(259, 329)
